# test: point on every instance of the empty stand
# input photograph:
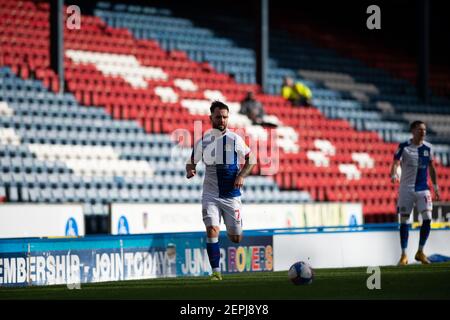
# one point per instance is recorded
(135, 74)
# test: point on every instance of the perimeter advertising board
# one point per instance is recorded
(158, 218)
(111, 258)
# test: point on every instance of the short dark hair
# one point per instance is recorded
(218, 104)
(415, 124)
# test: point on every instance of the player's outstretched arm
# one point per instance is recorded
(393, 174)
(433, 176)
(191, 163)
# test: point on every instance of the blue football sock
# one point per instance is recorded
(213, 249)
(404, 233)
(424, 232)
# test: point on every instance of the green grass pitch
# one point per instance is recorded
(410, 282)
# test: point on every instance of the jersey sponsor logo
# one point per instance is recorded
(426, 153)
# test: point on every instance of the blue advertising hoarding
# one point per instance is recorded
(25, 262)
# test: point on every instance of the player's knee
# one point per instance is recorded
(426, 215)
(236, 238)
(404, 218)
(212, 231)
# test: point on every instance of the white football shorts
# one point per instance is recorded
(213, 209)
(408, 198)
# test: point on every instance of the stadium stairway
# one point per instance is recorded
(138, 82)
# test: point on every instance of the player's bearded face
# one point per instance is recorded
(219, 119)
(420, 131)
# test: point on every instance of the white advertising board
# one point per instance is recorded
(352, 249)
(159, 218)
(41, 220)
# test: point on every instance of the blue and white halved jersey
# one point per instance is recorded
(414, 164)
(222, 154)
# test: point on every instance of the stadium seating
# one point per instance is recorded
(53, 150)
(384, 97)
(136, 74)
(331, 103)
(397, 64)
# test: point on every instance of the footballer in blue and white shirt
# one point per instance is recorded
(228, 161)
(415, 158)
